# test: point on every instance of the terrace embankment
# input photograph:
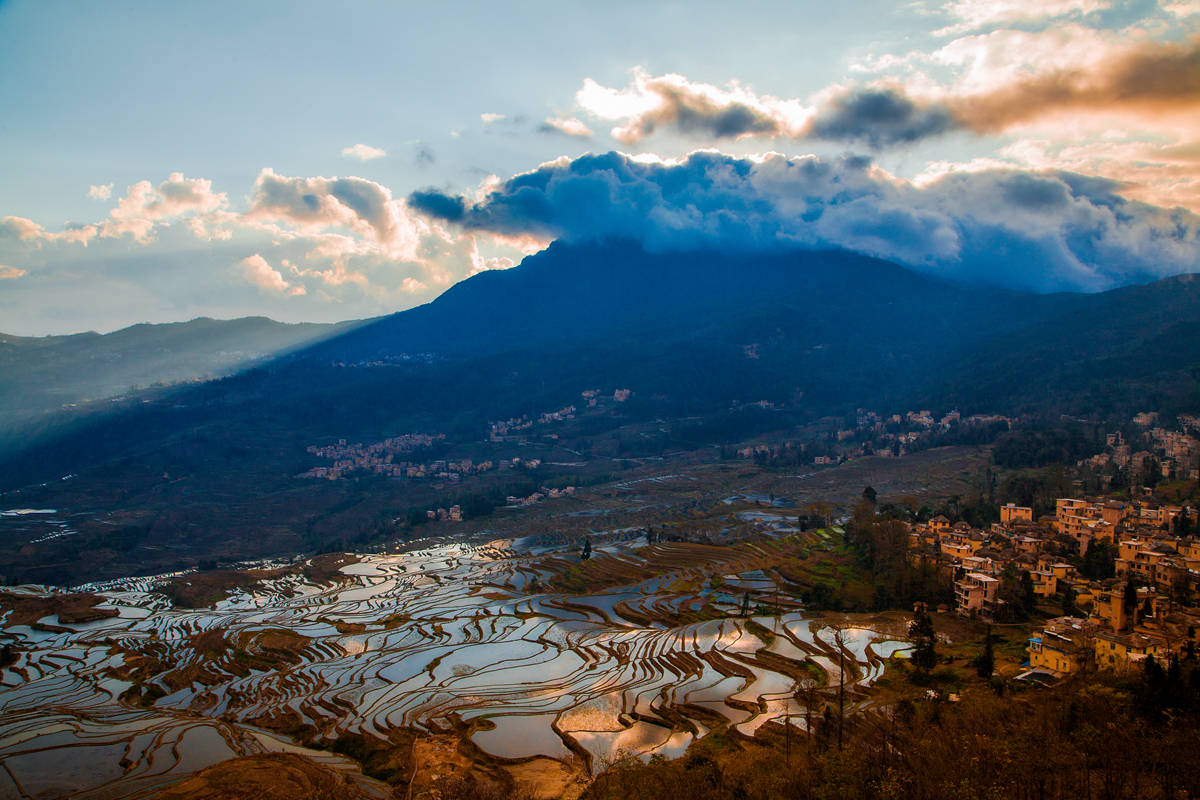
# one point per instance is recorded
(69, 608)
(439, 665)
(201, 589)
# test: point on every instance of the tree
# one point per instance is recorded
(1012, 594)
(1069, 608)
(1099, 561)
(1028, 595)
(1151, 471)
(870, 495)
(1129, 602)
(920, 630)
(985, 662)
(587, 550)
(1183, 523)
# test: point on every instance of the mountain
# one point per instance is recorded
(44, 374)
(574, 294)
(715, 348)
(1134, 348)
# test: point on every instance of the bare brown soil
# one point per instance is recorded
(326, 567)
(202, 589)
(275, 776)
(72, 609)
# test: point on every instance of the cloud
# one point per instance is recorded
(438, 204)
(568, 126)
(302, 247)
(1182, 10)
(317, 204)
(876, 116)
(101, 192)
(1009, 78)
(693, 109)
(1150, 78)
(145, 206)
(424, 156)
(26, 230)
(1165, 176)
(142, 210)
(19, 228)
(363, 152)
(879, 117)
(9, 273)
(258, 271)
(975, 14)
(488, 117)
(1040, 231)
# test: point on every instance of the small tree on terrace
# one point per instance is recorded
(985, 662)
(920, 630)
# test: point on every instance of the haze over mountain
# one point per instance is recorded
(43, 374)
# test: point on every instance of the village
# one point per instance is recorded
(387, 458)
(867, 433)
(392, 457)
(1126, 575)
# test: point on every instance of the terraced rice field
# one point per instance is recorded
(449, 639)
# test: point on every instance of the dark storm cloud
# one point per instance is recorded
(880, 117)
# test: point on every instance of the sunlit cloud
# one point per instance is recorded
(146, 206)
(101, 192)
(1147, 80)
(363, 152)
(1182, 10)
(489, 117)
(20, 228)
(693, 109)
(26, 230)
(316, 239)
(9, 273)
(568, 126)
(1006, 79)
(317, 204)
(259, 272)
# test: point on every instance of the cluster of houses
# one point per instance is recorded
(539, 496)
(1157, 452)
(873, 434)
(595, 397)
(497, 431)
(451, 514)
(387, 458)
(900, 434)
(1144, 609)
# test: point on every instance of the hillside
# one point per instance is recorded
(714, 348)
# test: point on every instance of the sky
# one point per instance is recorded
(317, 162)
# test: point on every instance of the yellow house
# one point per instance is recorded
(1045, 584)
(1063, 646)
(1108, 608)
(1014, 513)
(1121, 651)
